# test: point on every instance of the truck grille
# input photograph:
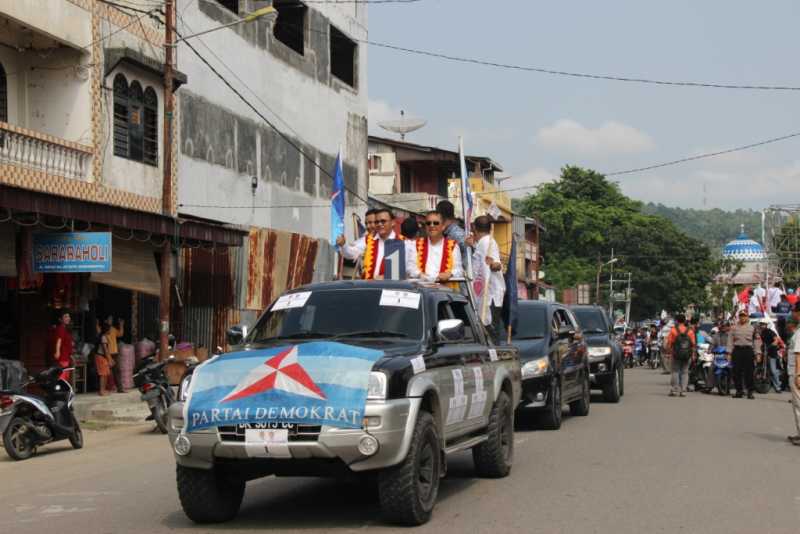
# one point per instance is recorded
(235, 433)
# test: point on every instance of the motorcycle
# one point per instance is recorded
(722, 371)
(702, 368)
(628, 354)
(655, 355)
(761, 375)
(29, 421)
(152, 382)
(641, 353)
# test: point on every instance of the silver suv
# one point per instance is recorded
(436, 386)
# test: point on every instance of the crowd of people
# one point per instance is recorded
(765, 326)
(435, 251)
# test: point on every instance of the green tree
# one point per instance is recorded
(586, 216)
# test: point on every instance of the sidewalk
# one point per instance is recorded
(116, 408)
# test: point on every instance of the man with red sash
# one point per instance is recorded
(371, 247)
(438, 259)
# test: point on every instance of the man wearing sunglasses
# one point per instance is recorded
(371, 247)
(438, 259)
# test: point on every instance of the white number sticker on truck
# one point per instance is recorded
(493, 355)
(479, 397)
(458, 402)
(267, 443)
(418, 364)
(400, 299)
(292, 300)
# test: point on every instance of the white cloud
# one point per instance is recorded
(611, 138)
(527, 180)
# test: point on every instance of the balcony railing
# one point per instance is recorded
(44, 153)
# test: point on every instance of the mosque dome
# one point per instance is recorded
(744, 249)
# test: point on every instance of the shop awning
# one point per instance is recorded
(193, 230)
(133, 267)
(8, 250)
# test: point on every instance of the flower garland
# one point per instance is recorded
(370, 253)
(447, 255)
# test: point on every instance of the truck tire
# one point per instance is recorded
(209, 496)
(493, 457)
(611, 390)
(580, 407)
(551, 417)
(408, 491)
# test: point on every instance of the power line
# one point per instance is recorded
(704, 156)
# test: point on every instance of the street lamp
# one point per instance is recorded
(599, 269)
(250, 17)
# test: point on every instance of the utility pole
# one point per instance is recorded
(611, 290)
(166, 194)
(628, 297)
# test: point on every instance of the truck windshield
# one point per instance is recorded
(532, 323)
(591, 321)
(341, 313)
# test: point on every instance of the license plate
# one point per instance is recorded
(265, 426)
(267, 442)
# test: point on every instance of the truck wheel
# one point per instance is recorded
(580, 407)
(551, 418)
(494, 456)
(621, 382)
(408, 491)
(611, 390)
(209, 496)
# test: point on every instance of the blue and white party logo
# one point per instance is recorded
(319, 383)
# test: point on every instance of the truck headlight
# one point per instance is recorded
(376, 389)
(183, 392)
(599, 352)
(536, 367)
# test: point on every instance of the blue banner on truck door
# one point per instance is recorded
(318, 383)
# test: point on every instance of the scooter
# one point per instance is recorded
(702, 368)
(151, 380)
(655, 355)
(29, 421)
(628, 354)
(722, 371)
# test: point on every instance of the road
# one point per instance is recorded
(650, 464)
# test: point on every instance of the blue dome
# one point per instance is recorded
(744, 249)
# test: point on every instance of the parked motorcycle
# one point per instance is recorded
(702, 368)
(723, 370)
(151, 380)
(30, 421)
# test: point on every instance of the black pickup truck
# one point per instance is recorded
(437, 386)
(605, 354)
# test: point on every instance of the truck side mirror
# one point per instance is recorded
(236, 334)
(450, 330)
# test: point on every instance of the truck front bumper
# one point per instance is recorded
(391, 423)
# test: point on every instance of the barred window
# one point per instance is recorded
(135, 121)
(150, 127)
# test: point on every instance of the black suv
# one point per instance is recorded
(555, 364)
(605, 354)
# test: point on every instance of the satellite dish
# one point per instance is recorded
(403, 126)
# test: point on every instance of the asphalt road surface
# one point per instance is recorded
(650, 464)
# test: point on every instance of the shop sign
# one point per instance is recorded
(72, 252)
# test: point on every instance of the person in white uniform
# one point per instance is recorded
(488, 274)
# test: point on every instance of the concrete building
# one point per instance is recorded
(303, 70)
(81, 149)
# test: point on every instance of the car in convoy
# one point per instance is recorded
(434, 385)
(605, 353)
(555, 364)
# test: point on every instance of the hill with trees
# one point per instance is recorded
(714, 227)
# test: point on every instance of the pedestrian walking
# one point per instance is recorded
(772, 344)
(62, 344)
(743, 345)
(113, 334)
(774, 295)
(102, 360)
(793, 364)
(681, 343)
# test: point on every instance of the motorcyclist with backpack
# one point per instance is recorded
(681, 344)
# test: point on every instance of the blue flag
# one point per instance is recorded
(337, 202)
(511, 299)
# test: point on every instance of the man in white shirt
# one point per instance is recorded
(754, 308)
(370, 248)
(774, 297)
(792, 365)
(487, 267)
(437, 258)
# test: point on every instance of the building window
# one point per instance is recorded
(3, 95)
(230, 5)
(135, 121)
(150, 127)
(343, 57)
(290, 27)
(120, 116)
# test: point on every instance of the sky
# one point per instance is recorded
(533, 124)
